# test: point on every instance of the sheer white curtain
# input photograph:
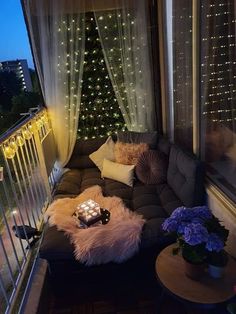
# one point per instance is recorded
(57, 33)
(124, 34)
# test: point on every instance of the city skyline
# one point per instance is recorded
(15, 43)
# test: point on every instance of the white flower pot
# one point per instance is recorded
(215, 271)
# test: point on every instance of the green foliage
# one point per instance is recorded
(13, 100)
(193, 253)
(99, 111)
(35, 82)
(213, 226)
(10, 86)
(7, 120)
(21, 103)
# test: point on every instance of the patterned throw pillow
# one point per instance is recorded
(152, 167)
(128, 154)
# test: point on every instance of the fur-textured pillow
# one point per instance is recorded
(152, 167)
(149, 138)
(128, 154)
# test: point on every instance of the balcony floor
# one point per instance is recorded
(104, 296)
(128, 300)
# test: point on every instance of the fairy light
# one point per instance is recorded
(9, 152)
(99, 111)
(217, 104)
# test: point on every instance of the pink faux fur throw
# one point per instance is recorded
(116, 241)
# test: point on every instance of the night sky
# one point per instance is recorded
(13, 34)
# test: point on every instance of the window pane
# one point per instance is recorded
(218, 92)
(182, 72)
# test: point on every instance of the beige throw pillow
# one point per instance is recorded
(118, 172)
(105, 151)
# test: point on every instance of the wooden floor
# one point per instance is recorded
(127, 302)
(142, 306)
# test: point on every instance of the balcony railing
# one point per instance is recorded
(27, 176)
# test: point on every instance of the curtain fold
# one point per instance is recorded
(124, 35)
(57, 34)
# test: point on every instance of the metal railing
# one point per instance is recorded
(26, 182)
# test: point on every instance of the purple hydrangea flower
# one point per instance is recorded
(202, 212)
(181, 227)
(170, 225)
(182, 214)
(195, 233)
(214, 243)
(197, 220)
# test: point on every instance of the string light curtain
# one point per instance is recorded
(124, 37)
(57, 33)
(99, 110)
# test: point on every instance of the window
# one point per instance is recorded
(178, 20)
(216, 60)
(182, 73)
(218, 92)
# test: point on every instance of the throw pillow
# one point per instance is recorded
(152, 167)
(149, 138)
(118, 172)
(105, 151)
(80, 156)
(128, 154)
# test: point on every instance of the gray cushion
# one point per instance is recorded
(184, 186)
(163, 145)
(185, 177)
(56, 245)
(152, 232)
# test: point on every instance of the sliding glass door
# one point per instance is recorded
(202, 83)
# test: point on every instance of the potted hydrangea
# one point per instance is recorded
(198, 233)
(216, 263)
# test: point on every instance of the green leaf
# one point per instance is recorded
(175, 250)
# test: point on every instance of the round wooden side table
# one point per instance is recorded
(206, 291)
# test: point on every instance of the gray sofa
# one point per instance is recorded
(184, 186)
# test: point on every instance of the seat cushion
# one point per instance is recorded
(153, 202)
(74, 181)
(56, 245)
(152, 232)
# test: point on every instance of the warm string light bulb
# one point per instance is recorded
(13, 144)
(9, 152)
(20, 140)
